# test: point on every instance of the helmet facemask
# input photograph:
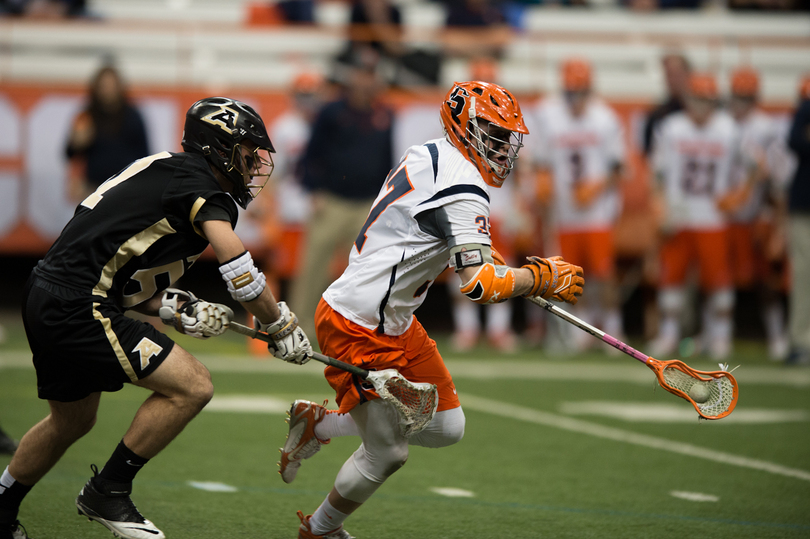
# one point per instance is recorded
(245, 166)
(496, 146)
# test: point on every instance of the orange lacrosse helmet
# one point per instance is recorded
(483, 121)
(576, 75)
(745, 82)
(703, 85)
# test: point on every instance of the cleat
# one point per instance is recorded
(109, 504)
(301, 441)
(14, 531)
(304, 532)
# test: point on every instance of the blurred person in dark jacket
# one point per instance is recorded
(799, 232)
(106, 136)
(348, 156)
(676, 72)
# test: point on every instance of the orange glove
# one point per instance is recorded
(555, 279)
(585, 193)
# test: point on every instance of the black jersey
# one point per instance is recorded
(139, 231)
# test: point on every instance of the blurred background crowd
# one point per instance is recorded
(669, 148)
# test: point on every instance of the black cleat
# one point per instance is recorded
(15, 531)
(109, 504)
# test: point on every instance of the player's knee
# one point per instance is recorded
(200, 390)
(394, 460)
(447, 428)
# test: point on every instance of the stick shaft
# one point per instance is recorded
(598, 333)
(326, 360)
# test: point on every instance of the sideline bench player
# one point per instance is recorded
(126, 243)
(432, 211)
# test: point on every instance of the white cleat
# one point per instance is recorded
(301, 440)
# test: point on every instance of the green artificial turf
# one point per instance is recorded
(527, 479)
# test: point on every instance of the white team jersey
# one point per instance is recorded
(433, 200)
(578, 150)
(695, 163)
(758, 135)
(290, 134)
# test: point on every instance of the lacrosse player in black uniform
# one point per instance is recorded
(126, 244)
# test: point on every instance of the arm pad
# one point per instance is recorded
(490, 284)
(245, 282)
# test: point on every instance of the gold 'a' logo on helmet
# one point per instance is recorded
(225, 118)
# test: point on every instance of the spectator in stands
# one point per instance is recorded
(799, 232)
(43, 9)
(348, 154)
(579, 141)
(476, 28)
(106, 136)
(753, 206)
(694, 151)
(377, 23)
(676, 72)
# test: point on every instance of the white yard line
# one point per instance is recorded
(513, 411)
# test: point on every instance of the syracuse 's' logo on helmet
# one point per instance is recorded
(456, 102)
(225, 118)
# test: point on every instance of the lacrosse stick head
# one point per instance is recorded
(679, 379)
(415, 403)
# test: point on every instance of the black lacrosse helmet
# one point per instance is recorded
(215, 128)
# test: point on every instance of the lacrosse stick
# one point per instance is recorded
(719, 387)
(415, 402)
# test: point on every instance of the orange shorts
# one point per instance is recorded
(413, 354)
(747, 258)
(709, 249)
(593, 250)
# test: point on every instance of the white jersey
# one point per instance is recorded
(758, 135)
(290, 134)
(432, 201)
(695, 164)
(577, 150)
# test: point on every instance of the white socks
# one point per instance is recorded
(5, 480)
(326, 518)
(334, 425)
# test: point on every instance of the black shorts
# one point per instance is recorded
(84, 344)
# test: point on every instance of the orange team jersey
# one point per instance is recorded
(413, 354)
(593, 250)
(708, 248)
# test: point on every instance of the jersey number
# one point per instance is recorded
(136, 167)
(698, 178)
(398, 185)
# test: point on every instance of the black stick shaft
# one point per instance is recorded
(326, 360)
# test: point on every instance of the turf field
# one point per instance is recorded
(576, 447)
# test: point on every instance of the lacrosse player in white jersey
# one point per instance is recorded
(432, 212)
(694, 154)
(580, 143)
(754, 206)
